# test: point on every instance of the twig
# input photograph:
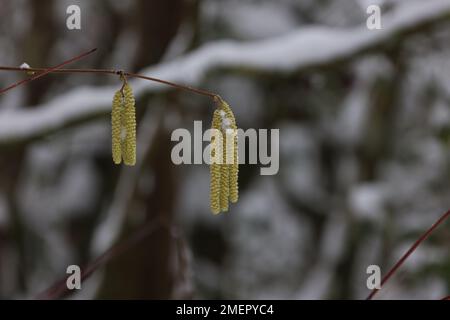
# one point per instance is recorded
(409, 252)
(175, 85)
(60, 290)
(111, 72)
(45, 71)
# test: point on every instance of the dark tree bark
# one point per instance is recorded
(157, 23)
(144, 271)
(38, 45)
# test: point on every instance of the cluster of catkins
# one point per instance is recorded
(224, 158)
(123, 123)
(224, 146)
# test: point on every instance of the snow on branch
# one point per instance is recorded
(305, 48)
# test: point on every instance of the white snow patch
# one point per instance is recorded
(368, 200)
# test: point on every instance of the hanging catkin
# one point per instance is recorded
(215, 168)
(123, 126)
(224, 175)
(234, 165)
(129, 124)
(116, 127)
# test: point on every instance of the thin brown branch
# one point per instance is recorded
(59, 289)
(44, 72)
(409, 252)
(175, 85)
(112, 72)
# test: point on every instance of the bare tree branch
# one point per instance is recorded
(410, 251)
(45, 71)
(59, 289)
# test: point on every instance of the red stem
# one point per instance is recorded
(112, 72)
(47, 71)
(409, 252)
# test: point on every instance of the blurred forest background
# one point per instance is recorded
(364, 123)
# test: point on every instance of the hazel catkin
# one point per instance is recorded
(215, 167)
(116, 127)
(123, 126)
(129, 123)
(224, 174)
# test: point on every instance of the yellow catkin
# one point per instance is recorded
(129, 125)
(215, 168)
(224, 176)
(234, 167)
(234, 172)
(116, 127)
